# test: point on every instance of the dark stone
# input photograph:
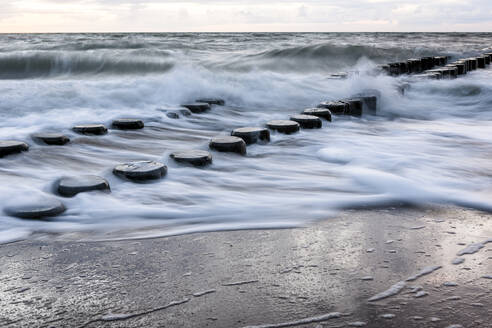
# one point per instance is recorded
(319, 112)
(307, 121)
(144, 170)
(487, 59)
(404, 68)
(414, 65)
(71, 186)
(385, 68)
(473, 63)
(399, 68)
(212, 101)
(252, 135)
(489, 55)
(38, 209)
(128, 124)
(50, 138)
(335, 107)
(96, 129)
(427, 63)
(396, 68)
(284, 126)
(369, 102)
(453, 70)
(440, 60)
(8, 147)
(444, 72)
(228, 144)
(198, 107)
(462, 66)
(481, 62)
(193, 157)
(354, 107)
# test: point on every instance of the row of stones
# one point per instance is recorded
(459, 67)
(424, 67)
(148, 170)
(414, 65)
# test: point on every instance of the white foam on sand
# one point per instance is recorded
(473, 248)
(423, 272)
(393, 290)
(458, 260)
(397, 288)
(305, 321)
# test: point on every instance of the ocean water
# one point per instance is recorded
(431, 145)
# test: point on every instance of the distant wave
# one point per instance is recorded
(329, 51)
(21, 65)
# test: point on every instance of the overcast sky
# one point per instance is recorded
(238, 15)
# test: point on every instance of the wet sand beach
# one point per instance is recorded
(318, 276)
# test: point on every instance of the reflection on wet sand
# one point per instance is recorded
(319, 275)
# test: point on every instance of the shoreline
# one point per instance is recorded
(319, 276)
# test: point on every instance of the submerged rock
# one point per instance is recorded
(96, 129)
(283, 126)
(319, 112)
(128, 124)
(212, 101)
(51, 138)
(252, 135)
(175, 113)
(228, 144)
(37, 209)
(193, 157)
(198, 107)
(71, 186)
(143, 170)
(307, 121)
(8, 147)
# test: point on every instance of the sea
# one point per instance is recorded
(430, 141)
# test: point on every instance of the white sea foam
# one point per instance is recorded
(402, 155)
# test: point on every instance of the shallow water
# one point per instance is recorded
(431, 145)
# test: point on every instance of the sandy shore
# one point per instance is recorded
(320, 276)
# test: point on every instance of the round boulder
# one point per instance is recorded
(229, 144)
(335, 107)
(71, 186)
(193, 157)
(284, 126)
(252, 135)
(38, 209)
(96, 129)
(212, 101)
(128, 124)
(8, 147)
(51, 138)
(319, 112)
(198, 107)
(307, 121)
(144, 170)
